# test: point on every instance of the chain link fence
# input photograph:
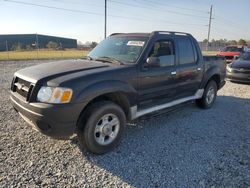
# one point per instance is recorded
(212, 46)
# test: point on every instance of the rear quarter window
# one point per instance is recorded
(186, 51)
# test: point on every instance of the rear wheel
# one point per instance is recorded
(103, 127)
(208, 96)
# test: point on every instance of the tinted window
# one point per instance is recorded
(232, 49)
(245, 56)
(195, 53)
(124, 48)
(164, 50)
(186, 52)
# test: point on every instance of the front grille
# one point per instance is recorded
(241, 70)
(229, 57)
(22, 87)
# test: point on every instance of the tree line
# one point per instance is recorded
(228, 42)
(50, 45)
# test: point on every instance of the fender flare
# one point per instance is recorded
(104, 87)
(209, 74)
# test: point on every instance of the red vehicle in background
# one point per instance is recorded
(230, 52)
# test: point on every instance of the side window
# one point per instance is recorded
(195, 53)
(164, 50)
(186, 52)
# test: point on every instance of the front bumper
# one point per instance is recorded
(55, 120)
(229, 60)
(238, 77)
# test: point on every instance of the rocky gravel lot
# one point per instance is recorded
(188, 147)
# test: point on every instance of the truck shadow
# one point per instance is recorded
(242, 83)
(175, 148)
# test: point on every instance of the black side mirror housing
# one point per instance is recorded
(153, 62)
(236, 57)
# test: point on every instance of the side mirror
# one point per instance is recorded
(236, 57)
(153, 62)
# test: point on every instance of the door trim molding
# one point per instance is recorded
(135, 114)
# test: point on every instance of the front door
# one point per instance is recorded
(157, 84)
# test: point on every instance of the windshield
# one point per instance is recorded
(245, 56)
(232, 49)
(123, 48)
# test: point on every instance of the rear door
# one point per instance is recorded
(189, 68)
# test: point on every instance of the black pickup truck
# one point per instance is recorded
(126, 76)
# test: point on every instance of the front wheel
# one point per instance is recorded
(208, 96)
(103, 127)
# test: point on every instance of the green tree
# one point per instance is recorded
(204, 41)
(232, 42)
(52, 45)
(93, 44)
(248, 43)
(242, 42)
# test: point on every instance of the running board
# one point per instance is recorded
(135, 114)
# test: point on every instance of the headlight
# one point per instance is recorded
(229, 69)
(54, 94)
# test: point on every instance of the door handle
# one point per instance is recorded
(173, 73)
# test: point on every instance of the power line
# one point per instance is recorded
(76, 3)
(157, 9)
(229, 21)
(99, 14)
(224, 32)
(178, 7)
(217, 17)
(53, 7)
(84, 4)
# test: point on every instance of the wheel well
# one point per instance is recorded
(216, 78)
(118, 98)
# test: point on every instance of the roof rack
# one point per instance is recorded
(115, 34)
(159, 33)
(170, 33)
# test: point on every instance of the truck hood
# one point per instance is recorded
(228, 53)
(56, 69)
(241, 64)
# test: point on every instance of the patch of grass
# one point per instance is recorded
(54, 54)
(42, 54)
(209, 52)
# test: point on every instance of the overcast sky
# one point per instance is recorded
(84, 19)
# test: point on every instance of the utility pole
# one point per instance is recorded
(105, 21)
(37, 46)
(7, 49)
(209, 25)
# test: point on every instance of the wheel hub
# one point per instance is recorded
(106, 129)
(210, 95)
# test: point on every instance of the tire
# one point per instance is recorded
(103, 128)
(208, 96)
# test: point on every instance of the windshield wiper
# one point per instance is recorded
(109, 60)
(87, 57)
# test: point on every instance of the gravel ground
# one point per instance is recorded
(188, 147)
